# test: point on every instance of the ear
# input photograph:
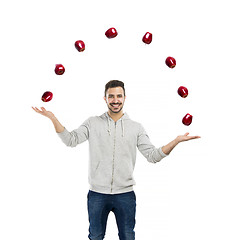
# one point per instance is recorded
(104, 99)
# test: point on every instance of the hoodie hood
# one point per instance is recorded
(125, 116)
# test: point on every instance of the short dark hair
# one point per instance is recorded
(113, 84)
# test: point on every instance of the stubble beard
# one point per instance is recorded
(113, 110)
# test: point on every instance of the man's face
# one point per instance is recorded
(115, 99)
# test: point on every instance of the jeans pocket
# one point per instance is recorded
(89, 194)
(134, 195)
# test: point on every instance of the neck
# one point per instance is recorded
(115, 116)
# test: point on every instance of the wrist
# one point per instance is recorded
(53, 118)
(176, 141)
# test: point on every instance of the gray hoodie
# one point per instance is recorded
(112, 151)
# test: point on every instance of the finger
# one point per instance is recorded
(194, 137)
(186, 134)
(36, 109)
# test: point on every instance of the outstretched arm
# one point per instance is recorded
(170, 146)
(58, 127)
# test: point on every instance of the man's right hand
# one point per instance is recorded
(58, 127)
(45, 113)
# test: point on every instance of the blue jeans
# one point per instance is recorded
(123, 205)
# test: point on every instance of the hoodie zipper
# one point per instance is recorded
(113, 163)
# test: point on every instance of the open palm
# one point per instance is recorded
(44, 112)
(185, 137)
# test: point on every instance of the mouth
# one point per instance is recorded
(115, 105)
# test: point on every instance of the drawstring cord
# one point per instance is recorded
(122, 124)
(109, 129)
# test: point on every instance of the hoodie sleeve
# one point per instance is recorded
(148, 150)
(77, 136)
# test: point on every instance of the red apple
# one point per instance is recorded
(170, 62)
(59, 69)
(147, 38)
(47, 96)
(80, 45)
(111, 33)
(187, 119)
(182, 91)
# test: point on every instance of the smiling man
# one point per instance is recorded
(115, 98)
(113, 140)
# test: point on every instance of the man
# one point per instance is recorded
(113, 138)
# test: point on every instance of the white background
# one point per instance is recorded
(44, 184)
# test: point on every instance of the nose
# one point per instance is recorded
(115, 100)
